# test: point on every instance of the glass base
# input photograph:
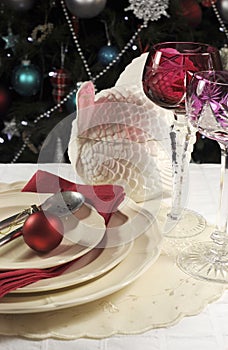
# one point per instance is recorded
(188, 225)
(206, 261)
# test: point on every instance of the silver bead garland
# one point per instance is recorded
(118, 57)
(100, 74)
(38, 118)
(87, 69)
(219, 18)
(224, 50)
(65, 11)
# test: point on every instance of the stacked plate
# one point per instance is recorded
(103, 259)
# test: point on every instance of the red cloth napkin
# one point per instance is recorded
(105, 198)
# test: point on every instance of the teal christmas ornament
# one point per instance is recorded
(71, 104)
(26, 79)
(107, 54)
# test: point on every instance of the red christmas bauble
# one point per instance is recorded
(61, 81)
(43, 231)
(191, 11)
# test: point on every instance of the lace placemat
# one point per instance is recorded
(161, 297)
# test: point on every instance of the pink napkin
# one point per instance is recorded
(105, 198)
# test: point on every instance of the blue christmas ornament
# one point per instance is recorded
(71, 104)
(107, 54)
(26, 79)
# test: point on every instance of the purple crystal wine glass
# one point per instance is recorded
(167, 72)
(207, 110)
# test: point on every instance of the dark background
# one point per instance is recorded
(189, 20)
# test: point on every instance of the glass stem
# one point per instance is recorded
(180, 135)
(220, 235)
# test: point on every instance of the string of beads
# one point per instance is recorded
(87, 69)
(219, 18)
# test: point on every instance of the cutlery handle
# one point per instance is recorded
(17, 218)
(10, 236)
(14, 219)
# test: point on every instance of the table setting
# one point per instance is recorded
(118, 261)
(136, 308)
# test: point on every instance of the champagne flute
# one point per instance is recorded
(207, 110)
(167, 72)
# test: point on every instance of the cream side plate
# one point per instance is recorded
(82, 234)
(144, 253)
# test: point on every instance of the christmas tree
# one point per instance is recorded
(49, 47)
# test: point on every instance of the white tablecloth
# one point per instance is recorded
(208, 330)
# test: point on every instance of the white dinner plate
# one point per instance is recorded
(83, 231)
(91, 265)
(144, 253)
